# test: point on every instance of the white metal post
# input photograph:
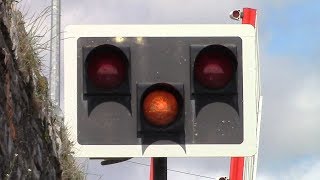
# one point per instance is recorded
(54, 77)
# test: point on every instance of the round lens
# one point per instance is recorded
(160, 108)
(106, 67)
(214, 67)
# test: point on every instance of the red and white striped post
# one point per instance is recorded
(249, 16)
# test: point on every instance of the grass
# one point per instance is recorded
(31, 47)
(68, 163)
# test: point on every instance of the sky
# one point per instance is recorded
(289, 52)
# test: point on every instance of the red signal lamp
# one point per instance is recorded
(236, 14)
(160, 108)
(106, 67)
(214, 66)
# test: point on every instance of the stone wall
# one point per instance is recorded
(30, 143)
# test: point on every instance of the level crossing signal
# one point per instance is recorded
(161, 90)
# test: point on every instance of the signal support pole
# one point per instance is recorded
(245, 168)
(158, 168)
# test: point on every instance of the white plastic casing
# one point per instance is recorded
(250, 85)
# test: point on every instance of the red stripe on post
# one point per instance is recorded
(249, 16)
(236, 168)
(151, 169)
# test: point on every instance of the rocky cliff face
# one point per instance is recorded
(30, 132)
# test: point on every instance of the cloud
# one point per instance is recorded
(280, 3)
(302, 170)
(118, 171)
(155, 11)
(290, 118)
(209, 167)
(307, 98)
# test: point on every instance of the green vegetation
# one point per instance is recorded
(30, 62)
